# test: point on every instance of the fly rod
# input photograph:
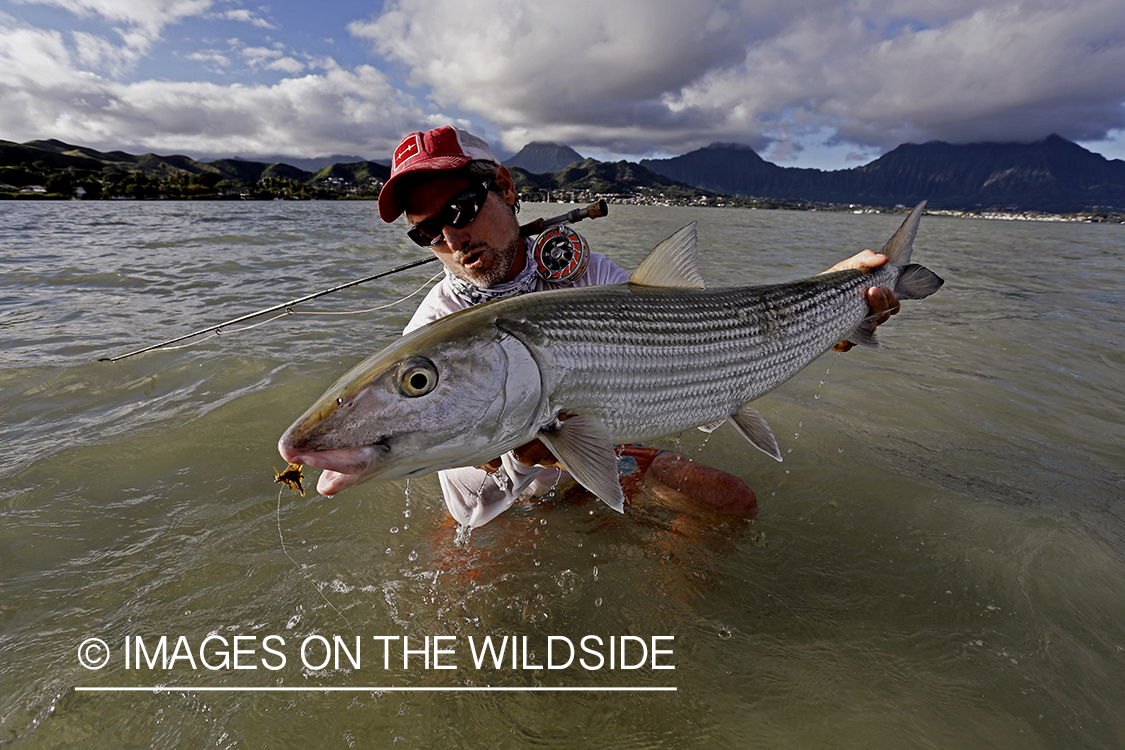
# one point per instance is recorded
(592, 211)
(219, 326)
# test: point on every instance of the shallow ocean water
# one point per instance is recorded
(938, 562)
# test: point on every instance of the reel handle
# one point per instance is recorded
(593, 211)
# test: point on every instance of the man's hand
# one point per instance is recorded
(534, 453)
(881, 299)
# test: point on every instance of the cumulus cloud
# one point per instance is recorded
(635, 75)
(47, 93)
(271, 58)
(245, 16)
(149, 14)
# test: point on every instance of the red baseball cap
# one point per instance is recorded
(439, 150)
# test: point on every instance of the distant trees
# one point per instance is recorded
(168, 183)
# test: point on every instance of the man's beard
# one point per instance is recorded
(496, 272)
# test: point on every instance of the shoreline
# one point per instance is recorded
(1090, 216)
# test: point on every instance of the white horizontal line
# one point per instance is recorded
(373, 688)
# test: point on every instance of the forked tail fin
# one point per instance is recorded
(901, 243)
(915, 281)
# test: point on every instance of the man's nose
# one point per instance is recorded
(455, 238)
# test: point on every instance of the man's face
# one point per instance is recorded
(484, 252)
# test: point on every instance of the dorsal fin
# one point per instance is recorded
(671, 263)
(901, 243)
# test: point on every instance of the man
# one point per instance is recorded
(461, 203)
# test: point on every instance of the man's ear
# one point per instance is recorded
(503, 180)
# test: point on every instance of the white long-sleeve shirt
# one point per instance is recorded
(474, 497)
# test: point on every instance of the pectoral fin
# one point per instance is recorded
(753, 427)
(582, 445)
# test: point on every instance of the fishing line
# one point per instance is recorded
(360, 312)
(297, 565)
(218, 331)
(562, 256)
(283, 306)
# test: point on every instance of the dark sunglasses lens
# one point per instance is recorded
(425, 234)
(465, 207)
(460, 211)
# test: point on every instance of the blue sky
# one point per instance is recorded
(804, 82)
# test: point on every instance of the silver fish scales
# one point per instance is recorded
(653, 361)
(584, 368)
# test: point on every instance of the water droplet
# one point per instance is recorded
(413, 556)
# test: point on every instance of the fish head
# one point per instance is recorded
(441, 397)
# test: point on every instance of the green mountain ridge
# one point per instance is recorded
(63, 167)
(590, 177)
(540, 157)
(1053, 175)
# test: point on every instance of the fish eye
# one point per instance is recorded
(417, 376)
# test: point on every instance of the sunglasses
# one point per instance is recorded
(462, 209)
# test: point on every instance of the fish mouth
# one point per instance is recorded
(343, 467)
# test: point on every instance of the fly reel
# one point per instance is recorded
(561, 254)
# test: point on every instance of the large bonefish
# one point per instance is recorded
(627, 362)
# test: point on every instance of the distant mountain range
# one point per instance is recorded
(1052, 175)
(622, 179)
(544, 158)
(40, 156)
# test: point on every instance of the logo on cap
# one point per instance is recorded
(410, 147)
